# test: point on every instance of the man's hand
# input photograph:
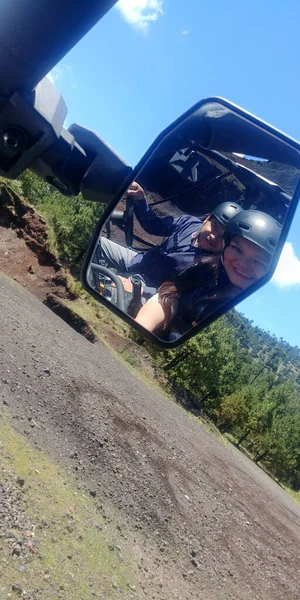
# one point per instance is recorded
(127, 285)
(135, 191)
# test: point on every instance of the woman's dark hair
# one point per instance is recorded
(204, 273)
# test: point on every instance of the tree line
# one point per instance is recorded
(248, 383)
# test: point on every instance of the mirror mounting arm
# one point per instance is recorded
(74, 160)
(81, 161)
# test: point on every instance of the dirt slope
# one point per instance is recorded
(23, 248)
(196, 518)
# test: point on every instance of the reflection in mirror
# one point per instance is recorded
(199, 224)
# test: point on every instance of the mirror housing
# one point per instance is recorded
(215, 153)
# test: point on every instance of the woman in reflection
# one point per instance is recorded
(250, 239)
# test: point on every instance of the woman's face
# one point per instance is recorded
(244, 262)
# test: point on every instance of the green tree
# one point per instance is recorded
(232, 411)
(71, 219)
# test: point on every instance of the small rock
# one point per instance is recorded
(16, 551)
(17, 588)
(93, 493)
(22, 569)
(46, 372)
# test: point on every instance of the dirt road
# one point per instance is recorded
(197, 519)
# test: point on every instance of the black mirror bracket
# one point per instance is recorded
(29, 124)
(74, 160)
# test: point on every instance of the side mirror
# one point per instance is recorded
(200, 224)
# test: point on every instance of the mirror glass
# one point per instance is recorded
(200, 223)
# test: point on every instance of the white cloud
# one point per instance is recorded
(54, 75)
(186, 32)
(287, 272)
(141, 13)
(62, 72)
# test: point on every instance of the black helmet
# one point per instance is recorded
(255, 226)
(225, 211)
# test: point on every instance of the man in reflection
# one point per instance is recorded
(187, 239)
(250, 240)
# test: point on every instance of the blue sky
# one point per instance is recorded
(147, 61)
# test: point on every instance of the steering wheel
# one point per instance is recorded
(120, 303)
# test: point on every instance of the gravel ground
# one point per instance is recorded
(198, 518)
